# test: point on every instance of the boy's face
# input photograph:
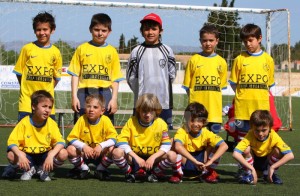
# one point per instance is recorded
(93, 110)
(208, 42)
(42, 110)
(147, 116)
(195, 125)
(261, 133)
(252, 44)
(100, 33)
(151, 34)
(43, 33)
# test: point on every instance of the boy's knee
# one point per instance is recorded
(171, 156)
(12, 158)
(72, 151)
(62, 155)
(118, 153)
(276, 153)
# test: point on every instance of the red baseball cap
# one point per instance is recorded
(153, 17)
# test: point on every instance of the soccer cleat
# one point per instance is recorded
(9, 172)
(175, 178)
(246, 178)
(141, 173)
(77, 173)
(129, 177)
(44, 176)
(103, 175)
(211, 176)
(27, 175)
(152, 178)
(275, 178)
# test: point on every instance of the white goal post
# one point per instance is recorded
(181, 24)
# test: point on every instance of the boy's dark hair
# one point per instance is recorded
(98, 97)
(261, 118)
(102, 19)
(195, 110)
(250, 30)
(209, 28)
(44, 17)
(39, 95)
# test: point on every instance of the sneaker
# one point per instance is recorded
(44, 176)
(152, 178)
(129, 177)
(211, 176)
(141, 173)
(9, 172)
(27, 175)
(77, 173)
(175, 178)
(275, 178)
(103, 175)
(246, 179)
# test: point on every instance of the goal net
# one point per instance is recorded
(181, 24)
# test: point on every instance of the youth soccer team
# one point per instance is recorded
(143, 150)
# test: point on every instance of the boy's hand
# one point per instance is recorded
(97, 151)
(75, 104)
(270, 173)
(141, 162)
(149, 163)
(112, 106)
(254, 174)
(24, 163)
(201, 166)
(88, 151)
(48, 164)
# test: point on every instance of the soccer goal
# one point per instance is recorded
(181, 24)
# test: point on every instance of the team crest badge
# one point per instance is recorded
(266, 67)
(157, 136)
(162, 63)
(48, 137)
(219, 68)
(108, 59)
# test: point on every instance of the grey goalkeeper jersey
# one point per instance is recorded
(151, 69)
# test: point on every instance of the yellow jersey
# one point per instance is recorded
(144, 141)
(262, 148)
(92, 134)
(39, 68)
(205, 77)
(35, 140)
(252, 75)
(96, 66)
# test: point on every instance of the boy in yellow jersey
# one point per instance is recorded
(39, 64)
(251, 77)
(144, 144)
(206, 76)
(200, 148)
(36, 144)
(262, 149)
(95, 68)
(92, 140)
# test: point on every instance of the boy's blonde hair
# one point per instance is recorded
(261, 118)
(148, 102)
(40, 95)
(98, 97)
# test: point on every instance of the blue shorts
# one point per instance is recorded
(21, 115)
(260, 163)
(242, 125)
(82, 93)
(37, 159)
(92, 161)
(189, 167)
(214, 127)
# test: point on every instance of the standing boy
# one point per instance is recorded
(200, 148)
(95, 68)
(92, 140)
(206, 76)
(39, 64)
(251, 77)
(36, 144)
(151, 67)
(262, 149)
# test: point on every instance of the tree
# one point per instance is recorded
(8, 57)
(229, 45)
(122, 44)
(295, 51)
(132, 43)
(66, 51)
